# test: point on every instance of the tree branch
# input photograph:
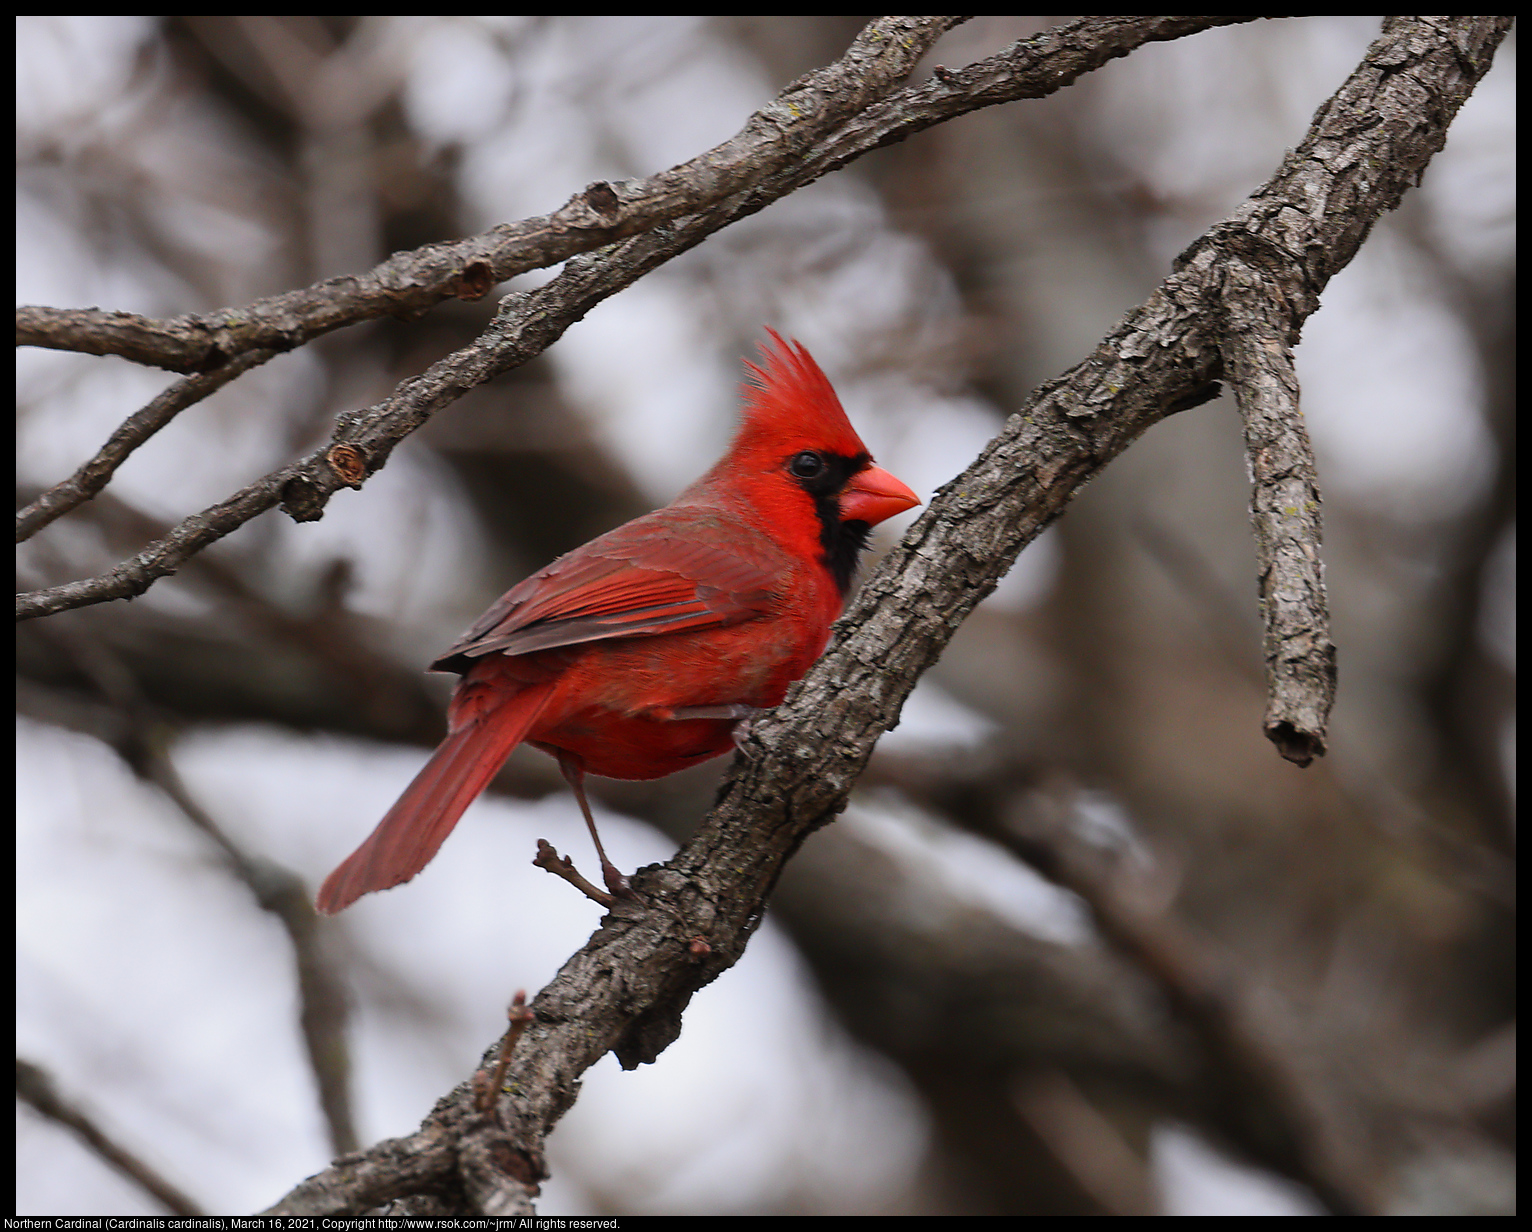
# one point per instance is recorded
(323, 1010)
(408, 284)
(1258, 1094)
(135, 430)
(627, 987)
(35, 1087)
(1284, 512)
(530, 322)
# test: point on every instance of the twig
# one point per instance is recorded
(35, 1087)
(133, 576)
(519, 1016)
(135, 430)
(563, 866)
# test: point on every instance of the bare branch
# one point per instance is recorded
(549, 859)
(1259, 1096)
(530, 322)
(1284, 511)
(322, 1001)
(806, 115)
(772, 141)
(408, 284)
(179, 345)
(135, 430)
(35, 1087)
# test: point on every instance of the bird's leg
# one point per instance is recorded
(573, 767)
(742, 715)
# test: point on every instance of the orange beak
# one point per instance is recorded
(873, 495)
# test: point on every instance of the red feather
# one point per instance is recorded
(717, 602)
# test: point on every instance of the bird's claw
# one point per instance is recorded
(743, 716)
(617, 883)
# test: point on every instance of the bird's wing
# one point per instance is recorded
(670, 571)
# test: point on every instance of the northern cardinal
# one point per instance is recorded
(638, 654)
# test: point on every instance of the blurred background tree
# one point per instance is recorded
(927, 1026)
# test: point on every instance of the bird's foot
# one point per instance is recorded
(616, 882)
(742, 716)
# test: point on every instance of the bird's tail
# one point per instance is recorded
(484, 732)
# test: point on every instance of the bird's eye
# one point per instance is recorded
(807, 465)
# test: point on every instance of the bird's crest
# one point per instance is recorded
(789, 403)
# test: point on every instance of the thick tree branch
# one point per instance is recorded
(529, 323)
(626, 989)
(1368, 144)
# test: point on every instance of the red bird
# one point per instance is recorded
(638, 654)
